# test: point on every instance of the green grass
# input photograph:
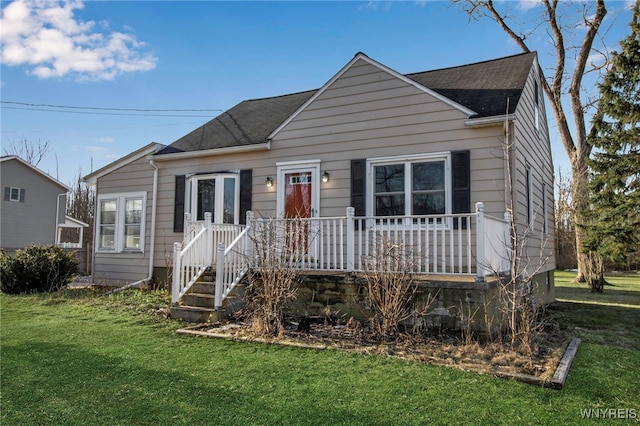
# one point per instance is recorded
(74, 358)
(610, 318)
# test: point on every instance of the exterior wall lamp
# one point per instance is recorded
(325, 177)
(269, 182)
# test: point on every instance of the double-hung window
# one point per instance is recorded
(410, 186)
(218, 194)
(120, 224)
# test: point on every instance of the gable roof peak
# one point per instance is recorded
(478, 90)
(34, 168)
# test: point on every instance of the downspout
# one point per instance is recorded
(154, 202)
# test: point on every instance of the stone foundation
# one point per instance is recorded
(449, 303)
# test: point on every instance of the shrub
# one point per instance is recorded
(390, 286)
(37, 269)
(277, 246)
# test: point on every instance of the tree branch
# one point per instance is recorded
(576, 83)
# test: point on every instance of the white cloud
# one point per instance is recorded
(47, 38)
(375, 5)
(528, 4)
(596, 59)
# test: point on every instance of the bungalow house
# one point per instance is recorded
(442, 162)
(33, 207)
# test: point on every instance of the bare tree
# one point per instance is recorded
(81, 205)
(31, 152)
(564, 227)
(555, 24)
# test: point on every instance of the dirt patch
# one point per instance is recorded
(446, 349)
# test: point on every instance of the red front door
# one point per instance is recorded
(297, 195)
(298, 205)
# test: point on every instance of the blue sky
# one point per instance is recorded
(208, 55)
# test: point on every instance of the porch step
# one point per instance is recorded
(199, 302)
(194, 314)
(203, 287)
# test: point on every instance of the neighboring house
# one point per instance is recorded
(33, 205)
(434, 159)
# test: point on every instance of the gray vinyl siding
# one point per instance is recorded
(399, 120)
(366, 113)
(34, 220)
(125, 267)
(533, 150)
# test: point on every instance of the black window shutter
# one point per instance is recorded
(246, 191)
(359, 186)
(7, 193)
(461, 179)
(22, 194)
(178, 207)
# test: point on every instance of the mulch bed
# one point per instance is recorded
(445, 349)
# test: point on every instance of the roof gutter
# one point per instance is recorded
(266, 146)
(489, 121)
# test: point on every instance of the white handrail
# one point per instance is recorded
(190, 262)
(232, 263)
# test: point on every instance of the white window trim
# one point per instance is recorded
(119, 237)
(285, 167)
(11, 189)
(409, 159)
(191, 201)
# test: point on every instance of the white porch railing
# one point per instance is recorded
(455, 244)
(223, 233)
(194, 255)
(494, 249)
(232, 263)
(429, 244)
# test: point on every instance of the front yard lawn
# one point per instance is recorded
(74, 358)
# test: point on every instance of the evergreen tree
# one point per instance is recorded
(613, 226)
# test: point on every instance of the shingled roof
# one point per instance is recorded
(482, 87)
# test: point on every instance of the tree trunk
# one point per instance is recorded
(580, 203)
(595, 272)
